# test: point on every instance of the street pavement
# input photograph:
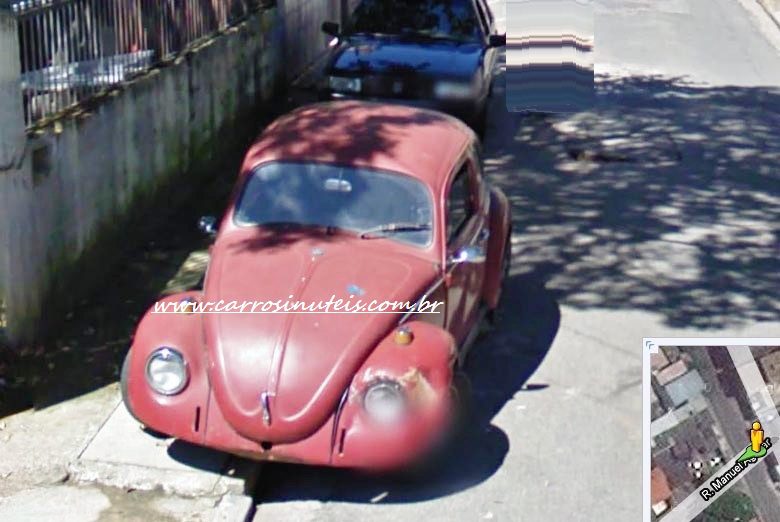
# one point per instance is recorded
(733, 425)
(653, 215)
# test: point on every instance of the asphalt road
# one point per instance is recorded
(654, 214)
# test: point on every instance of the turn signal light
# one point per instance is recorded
(187, 305)
(403, 336)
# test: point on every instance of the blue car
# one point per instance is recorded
(437, 54)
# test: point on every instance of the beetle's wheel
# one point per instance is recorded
(440, 453)
(124, 385)
(124, 388)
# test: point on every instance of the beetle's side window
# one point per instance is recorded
(459, 204)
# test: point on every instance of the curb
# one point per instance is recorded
(234, 508)
(231, 500)
(130, 476)
(123, 456)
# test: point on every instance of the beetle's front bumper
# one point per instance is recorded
(347, 439)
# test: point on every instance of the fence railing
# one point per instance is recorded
(71, 50)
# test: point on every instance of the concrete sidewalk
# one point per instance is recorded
(87, 459)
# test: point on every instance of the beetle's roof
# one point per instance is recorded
(421, 143)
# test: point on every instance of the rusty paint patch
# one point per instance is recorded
(418, 387)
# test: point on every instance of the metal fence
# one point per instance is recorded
(72, 49)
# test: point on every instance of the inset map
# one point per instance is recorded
(714, 431)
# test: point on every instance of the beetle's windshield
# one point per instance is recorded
(453, 19)
(354, 199)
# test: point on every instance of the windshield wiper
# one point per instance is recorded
(392, 228)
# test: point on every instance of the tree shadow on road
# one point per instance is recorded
(664, 198)
(499, 366)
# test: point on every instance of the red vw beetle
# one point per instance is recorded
(360, 202)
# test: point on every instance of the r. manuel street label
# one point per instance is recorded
(758, 449)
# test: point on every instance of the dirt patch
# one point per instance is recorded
(134, 506)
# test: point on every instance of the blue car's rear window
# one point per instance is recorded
(454, 19)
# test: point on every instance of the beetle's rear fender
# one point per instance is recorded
(500, 225)
(424, 370)
(182, 415)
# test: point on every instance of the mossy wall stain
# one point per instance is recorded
(139, 149)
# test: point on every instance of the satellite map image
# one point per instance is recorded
(713, 433)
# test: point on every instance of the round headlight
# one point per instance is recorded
(384, 401)
(166, 371)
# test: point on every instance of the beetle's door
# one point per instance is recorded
(466, 229)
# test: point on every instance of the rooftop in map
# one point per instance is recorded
(685, 388)
(671, 372)
(658, 360)
(660, 492)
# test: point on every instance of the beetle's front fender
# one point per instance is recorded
(424, 370)
(181, 415)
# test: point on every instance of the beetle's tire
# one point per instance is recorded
(494, 315)
(464, 402)
(123, 384)
(124, 387)
(437, 459)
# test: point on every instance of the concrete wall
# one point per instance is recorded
(66, 191)
(85, 174)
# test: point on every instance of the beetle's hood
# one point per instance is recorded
(303, 361)
(381, 55)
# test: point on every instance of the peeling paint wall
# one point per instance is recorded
(88, 172)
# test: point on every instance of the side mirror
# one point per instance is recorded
(469, 254)
(208, 225)
(331, 28)
(497, 40)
